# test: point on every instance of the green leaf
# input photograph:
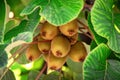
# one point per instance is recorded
(96, 64)
(33, 74)
(98, 39)
(113, 71)
(9, 76)
(16, 6)
(92, 45)
(74, 66)
(15, 31)
(52, 76)
(2, 19)
(26, 28)
(59, 12)
(3, 56)
(102, 18)
(11, 24)
(117, 22)
(32, 6)
(77, 76)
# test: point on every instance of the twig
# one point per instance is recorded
(43, 69)
(6, 70)
(86, 28)
(18, 51)
(86, 34)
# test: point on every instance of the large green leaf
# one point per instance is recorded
(59, 12)
(33, 5)
(25, 30)
(102, 18)
(2, 19)
(3, 56)
(98, 39)
(96, 63)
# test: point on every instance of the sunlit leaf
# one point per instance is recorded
(102, 18)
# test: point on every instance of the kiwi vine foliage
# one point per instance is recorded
(103, 20)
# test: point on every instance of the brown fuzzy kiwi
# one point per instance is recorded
(33, 52)
(60, 46)
(53, 62)
(78, 52)
(70, 28)
(73, 39)
(48, 31)
(44, 47)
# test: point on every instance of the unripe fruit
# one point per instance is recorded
(60, 46)
(48, 31)
(73, 39)
(44, 47)
(70, 28)
(78, 52)
(53, 62)
(33, 52)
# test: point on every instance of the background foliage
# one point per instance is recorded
(99, 17)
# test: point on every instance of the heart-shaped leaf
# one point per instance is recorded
(96, 63)
(59, 12)
(2, 19)
(102, 18)
(54, 10)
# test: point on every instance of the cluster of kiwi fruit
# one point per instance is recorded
(56, 44)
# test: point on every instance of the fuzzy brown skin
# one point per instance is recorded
(48, 31)
(53, 62)
(78, 52)
(70, 28)
(60, 46)
(33, 52)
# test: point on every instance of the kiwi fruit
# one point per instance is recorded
(73, 39)
(60, 46)
(33, 52)
(44, 47)
(78, 52)
(53, 62)
(70, 28)
(48, 31)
